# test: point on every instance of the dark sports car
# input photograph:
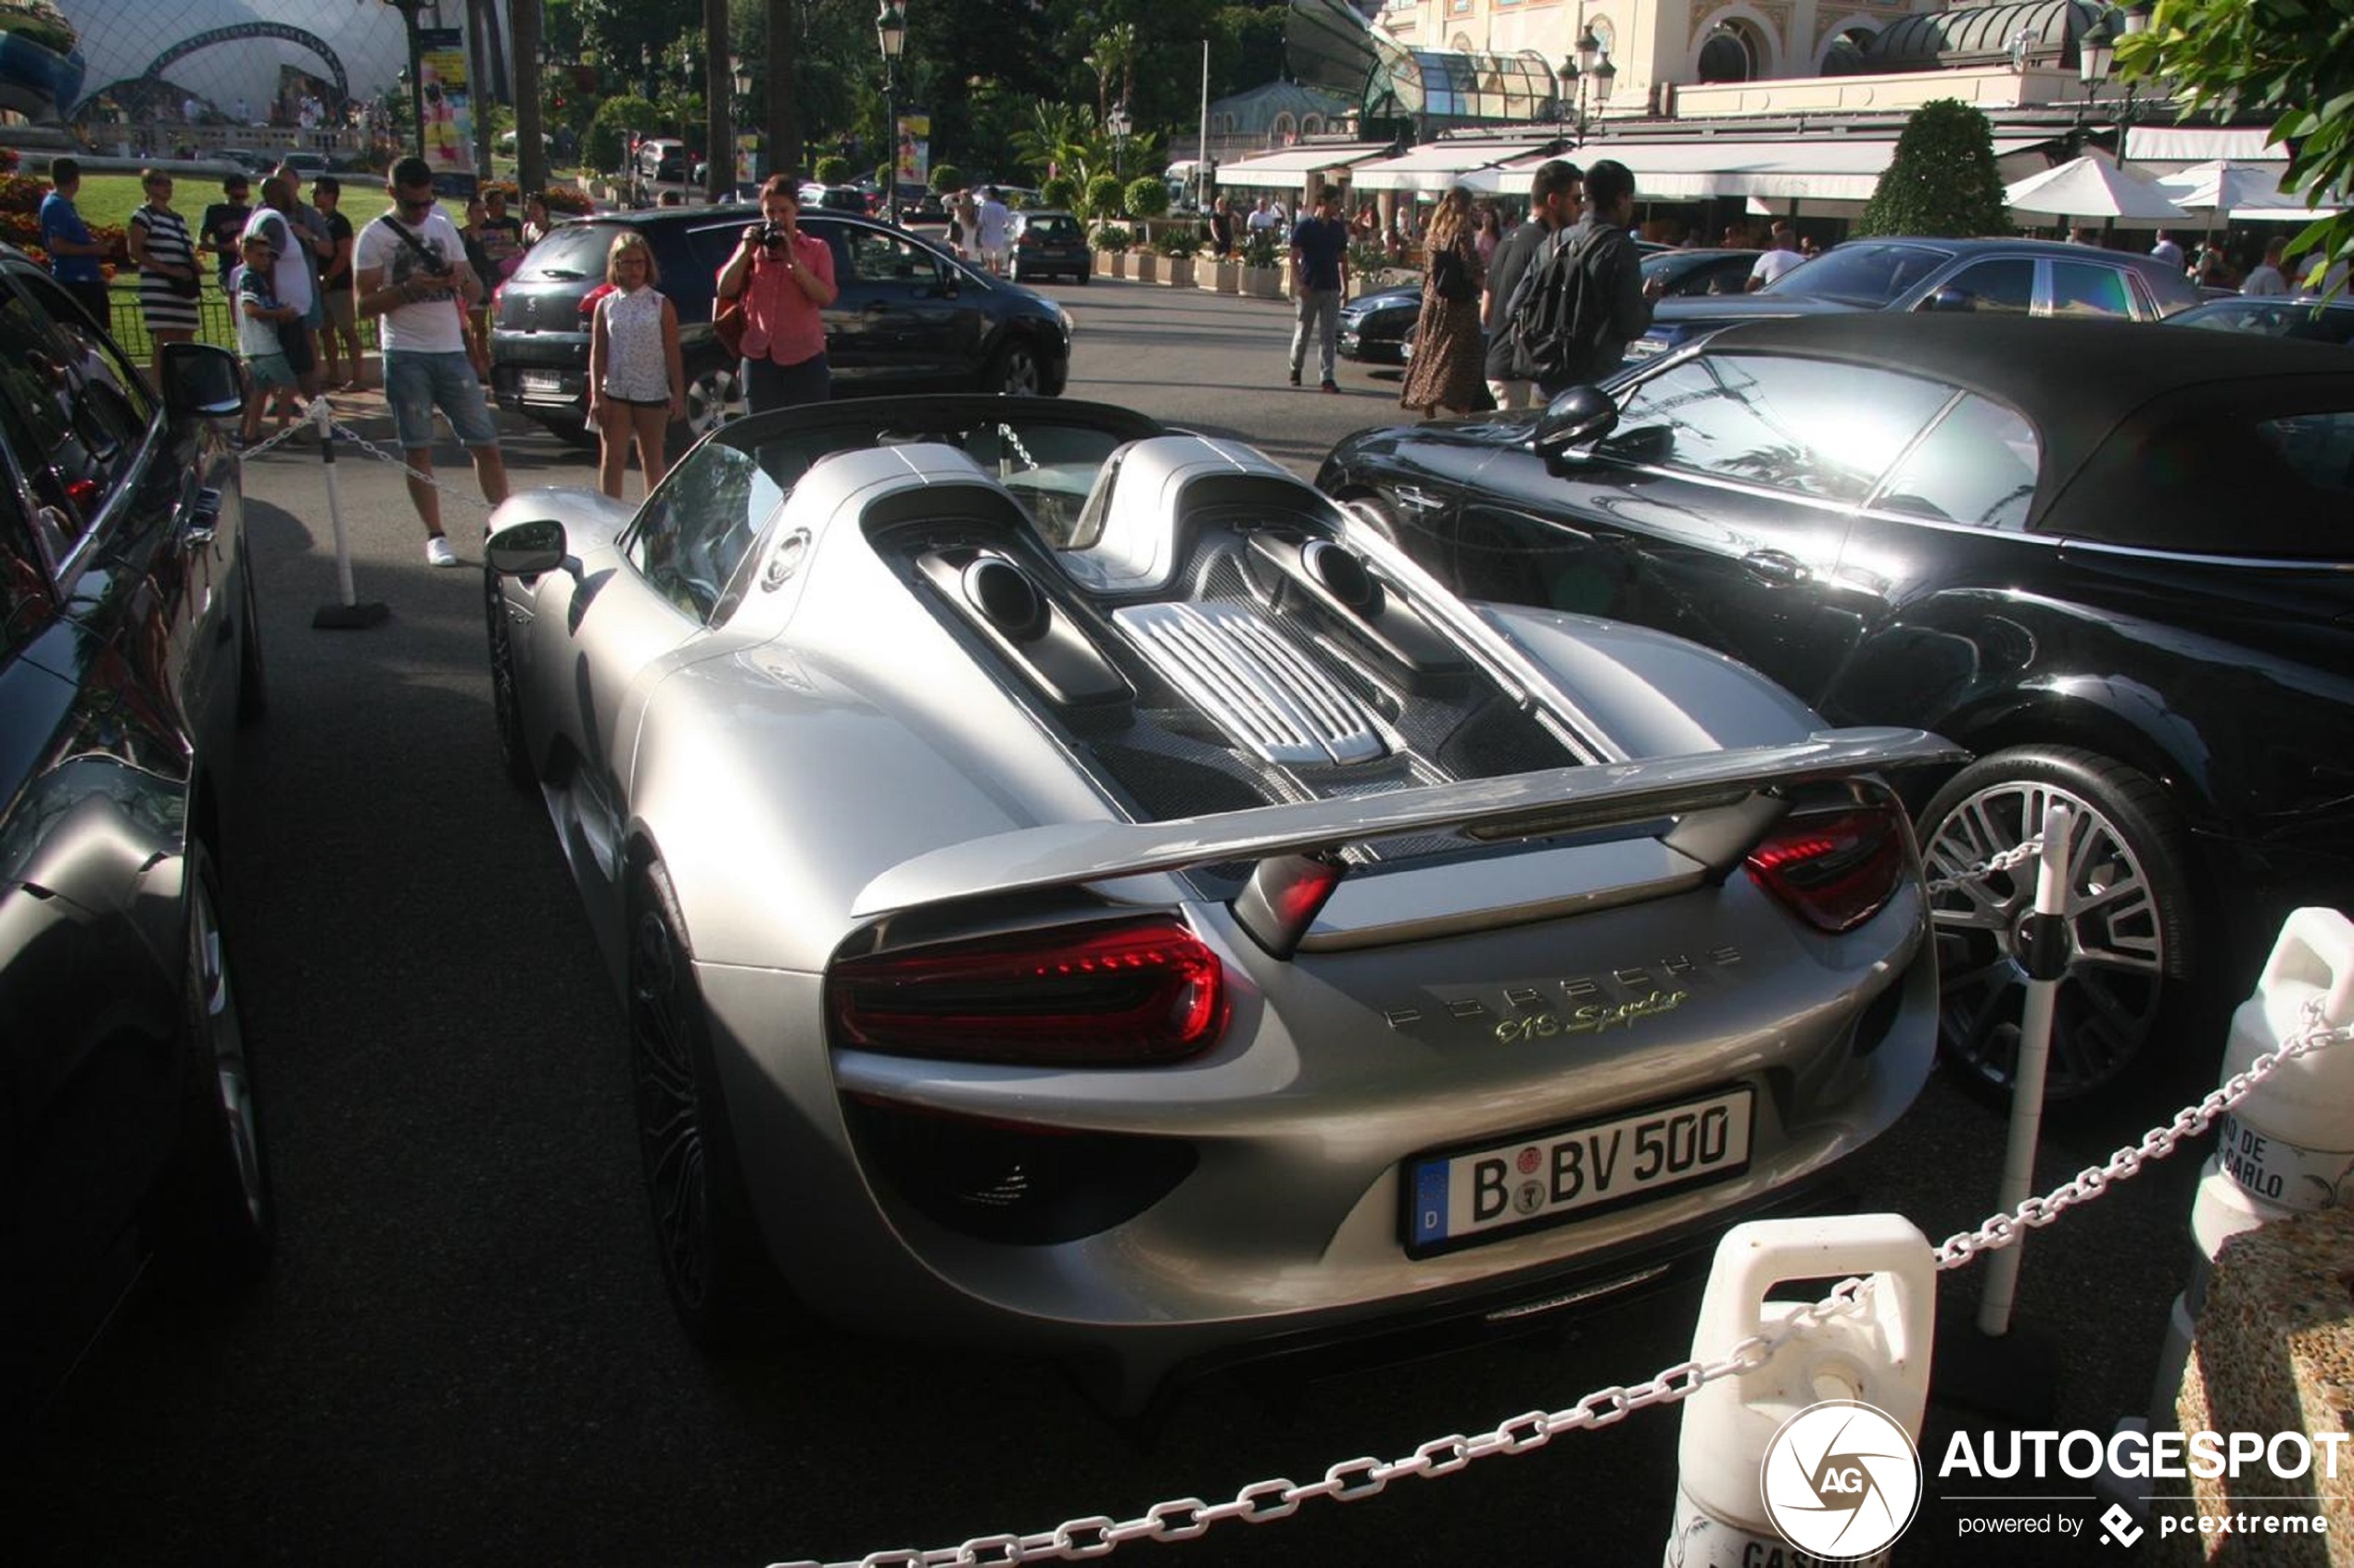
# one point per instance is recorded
(127, 596)
(1982, 277)
(1374, 326)
(2108, 558)
(2323, 320)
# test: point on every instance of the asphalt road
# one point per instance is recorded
(464, 1354)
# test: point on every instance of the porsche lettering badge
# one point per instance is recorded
(1588, 1004)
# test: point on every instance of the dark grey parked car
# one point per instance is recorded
(909, 318)
(2006, 277)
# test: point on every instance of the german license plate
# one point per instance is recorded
(542, 381)
(1461, 1199)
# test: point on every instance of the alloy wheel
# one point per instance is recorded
(2108, 1002)
(215, 1005)
(670, 1111)
(1017, 370)
(713, 399)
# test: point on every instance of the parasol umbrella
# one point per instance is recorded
(2092, 188)
(2241, 193)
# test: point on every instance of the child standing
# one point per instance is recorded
(258, 313)
(637, 380)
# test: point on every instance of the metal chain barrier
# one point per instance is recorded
(279, 439)
(401, 464)
(1184, 1518)
(2008, 860)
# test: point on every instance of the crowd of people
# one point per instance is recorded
(2207, 263)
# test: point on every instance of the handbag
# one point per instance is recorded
(1452, 278)
(727, 325)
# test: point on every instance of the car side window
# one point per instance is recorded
(69, 421)
(1807, 426)
(2085, 289)
(711, 245)
(693, 534)
(1978, 466)
(2005, 285)
(875, 257)
(26, 601)
(2318, 447)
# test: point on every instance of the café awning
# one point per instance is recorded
(1288, 170)
(1816, 168)
(1435, 166)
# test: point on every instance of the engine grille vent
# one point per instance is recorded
(1248, 678)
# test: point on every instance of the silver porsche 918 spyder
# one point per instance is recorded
(1075, 889)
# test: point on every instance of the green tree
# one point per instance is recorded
(946, 177)
(1058, 190)
(1147, 196)
(1103, 195)
(2291, 58)
(832, 170)
(1942, 179)
(615, 119)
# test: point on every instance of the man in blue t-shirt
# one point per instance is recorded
(1319, 280)
(73, 255)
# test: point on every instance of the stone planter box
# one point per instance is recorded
(1222, 277)
(1180, 271)
(1111, 263)
(1147, 266)
(1263, 282)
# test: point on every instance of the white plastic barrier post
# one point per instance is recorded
(2288, 1147)
(347, 614)
(2043, 950)
(1877, 1355)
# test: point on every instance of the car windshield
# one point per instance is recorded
(571, 253)
(1868, 274)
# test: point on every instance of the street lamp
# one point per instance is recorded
(891, 33)
(1589, 68)
(1117, 123)
(409, 10)
(2096, 57)
(741, 73)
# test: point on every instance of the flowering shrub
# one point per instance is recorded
(8, 160)
(21, 193)
(568, 199)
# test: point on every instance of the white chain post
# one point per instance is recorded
(348, 614)
(1878, 1354)
(2042, 949)
(2288, 1147)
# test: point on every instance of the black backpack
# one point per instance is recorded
(1550, 317)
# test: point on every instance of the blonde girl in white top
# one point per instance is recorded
(637, 379)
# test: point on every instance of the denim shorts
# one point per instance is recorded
(417, 384)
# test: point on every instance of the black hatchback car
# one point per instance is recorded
(127, 652)
(2108, 558)
(909, 318)
(1985, 277)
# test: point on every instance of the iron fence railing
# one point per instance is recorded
(215, 323)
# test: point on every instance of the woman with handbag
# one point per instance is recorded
(165, 254)
(1449, 353)
(779, 280)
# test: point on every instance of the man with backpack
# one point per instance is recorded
(1556, 194)
(1584, 300)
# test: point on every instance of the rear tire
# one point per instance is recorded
(1015, 372)
(2133, 929)
(722, 1284)
(237, 1213)
(713, 399)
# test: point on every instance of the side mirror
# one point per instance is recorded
(1949, 299)
(1578, 415)
(201, 382)
(526, 549)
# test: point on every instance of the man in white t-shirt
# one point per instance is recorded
(2166, 250)
(411, 269)
(2270, 277)
(995, 228)
(1780, 256)
(1264, 216)
(276, 224)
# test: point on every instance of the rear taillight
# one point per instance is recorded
(589, 301)
(497, 294)
(1835, 869)
(1095, 995)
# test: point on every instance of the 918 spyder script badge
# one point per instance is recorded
(1593, 1004)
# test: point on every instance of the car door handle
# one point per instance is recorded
(204, 521)
(1777, 566)
(1421, 500)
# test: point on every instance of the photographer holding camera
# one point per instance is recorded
(785, 278)
(412, 271)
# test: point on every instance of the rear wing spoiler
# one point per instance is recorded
(1723, 799)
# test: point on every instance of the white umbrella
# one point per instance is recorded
(2240, 192)
(2092, 188)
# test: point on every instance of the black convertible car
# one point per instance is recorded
(2109, 560)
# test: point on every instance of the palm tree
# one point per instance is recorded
(719, 81)
(531, 167)
(784, 110)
